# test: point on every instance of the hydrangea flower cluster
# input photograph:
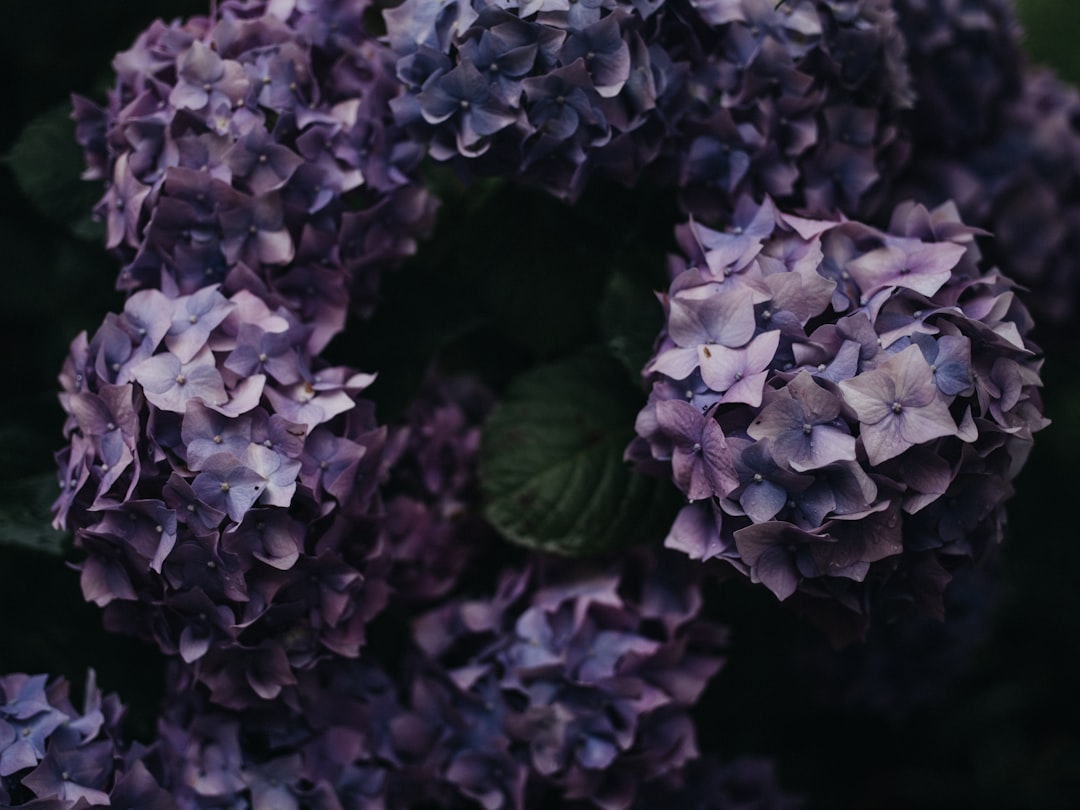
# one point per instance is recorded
(255, 150)
(801, 101)
(998, 138)
(1021, 186)
(570, 683)
(53, 755)
(797, 99)
(844, 407)
(215, 465)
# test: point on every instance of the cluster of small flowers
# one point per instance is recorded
(844, 407)
(570, 686)
(214, 470)
(796, 99)
(255, 151)
(1022, 186)
(998, 138)
(581, 686)
(52, 755)
(799, 100)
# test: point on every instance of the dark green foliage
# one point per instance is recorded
(551, 465)
(47, 163)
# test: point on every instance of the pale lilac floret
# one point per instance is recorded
(898, 406)
(170, 383)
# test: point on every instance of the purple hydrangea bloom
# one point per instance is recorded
(188, 487)
(226, 140)
(802, 101)
(544, 92)
(904, 386)
(1018, 184)
(576, 698)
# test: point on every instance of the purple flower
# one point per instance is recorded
(567, 677)
(170, 383)
(801, 422)
(227, 485)
(897, 405)
(261, 164)
(605, 54)
(465, 96)
(701, 462)
(206, 79)
(852, 372)
(194, 318)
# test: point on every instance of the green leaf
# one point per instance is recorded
(551, 462)
(48, 163)
(25, 515)
(630, 320)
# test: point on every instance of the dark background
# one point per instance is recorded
(986, 717)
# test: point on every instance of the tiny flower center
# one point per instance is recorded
(897, 407)
(807, 428)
